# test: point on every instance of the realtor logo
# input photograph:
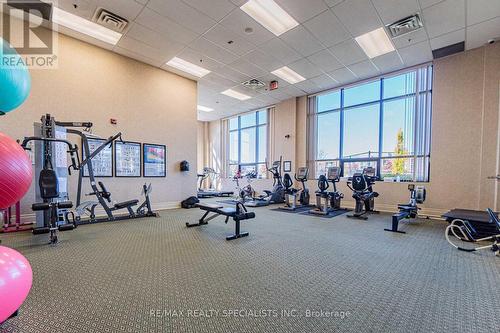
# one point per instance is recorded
(27, 27)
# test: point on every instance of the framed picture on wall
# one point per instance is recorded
(154, 160)
(102, 163)
(287, 166)
(127, 159)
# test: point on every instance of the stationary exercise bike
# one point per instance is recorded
(361, 184)
(322, 197)
(292, 195)
(333, 176)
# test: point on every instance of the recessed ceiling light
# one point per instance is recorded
(288, 75)
(270, 15)
(188, 67)
(84, 26)
(234, 94)
(375, 43)
(204, 108)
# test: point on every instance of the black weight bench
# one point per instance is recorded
(238, 214)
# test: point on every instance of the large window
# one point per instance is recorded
(248, 143)
(384, 123)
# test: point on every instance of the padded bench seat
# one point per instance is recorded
(237, 213)
(125, 204)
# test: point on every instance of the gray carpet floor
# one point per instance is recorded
(153, 275)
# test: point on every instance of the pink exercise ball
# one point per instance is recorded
(15, 172)
(16, 278)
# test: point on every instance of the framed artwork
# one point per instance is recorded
(102, 163)
(127, 159)
(287, 166)
(154, 160)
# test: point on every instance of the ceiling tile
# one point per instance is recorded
(411, 38)
(238, 3)
(388, 62)
(324, 82)
(85, 9)
(482, 10)
(416, 54)
(263, 60)
(213, 50)
(428, 3)
(154, 39)
(479, 34)
(128, 9)
(232, 74)
(325, 60)
(391, 11)
(221, 35)
(308, 87)
(142, 49)
(138, 57)
(343, 75)
(195, 57)
(305, 68)
(364, 69)
(358, 16)
(165, 26)
(292, 90)
(348, 52)
(277, 48)
(238, 21)
(302, 10)
(271, 77)
(179, 12)
(332, 3)
(245, 67)
(216, 9)
(444, 17)
(302, 41)
(448, 39)
(327, 28)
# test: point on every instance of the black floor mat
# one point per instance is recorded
(330, 214)
(297, 210)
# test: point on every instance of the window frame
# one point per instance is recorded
(258, 144)
(425, 71)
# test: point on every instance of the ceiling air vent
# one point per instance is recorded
(254, 84)
(110, 20)
(404, 26)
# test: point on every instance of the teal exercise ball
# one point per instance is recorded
(15, 79)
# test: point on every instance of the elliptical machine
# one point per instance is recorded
(333, 175)
(301, 176)
(292, 194)
(277, 195)
(361, 185)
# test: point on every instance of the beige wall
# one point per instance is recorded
(464, 135)
(151, 105)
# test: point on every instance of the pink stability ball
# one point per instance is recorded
(15, 281)
(15, 172)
